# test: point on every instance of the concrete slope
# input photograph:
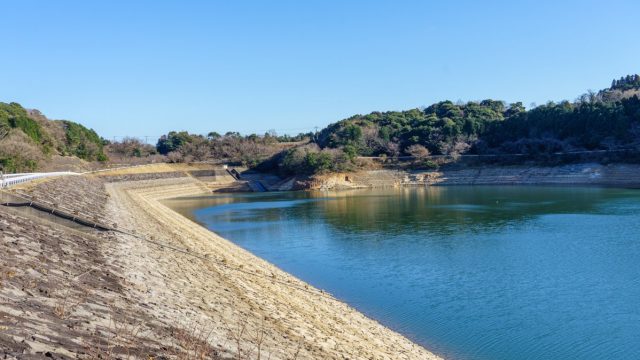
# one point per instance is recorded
(257, 296)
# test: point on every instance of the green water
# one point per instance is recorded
(469, 272)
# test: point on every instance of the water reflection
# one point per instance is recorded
(450, 210)
(471, 272)
(441, 210)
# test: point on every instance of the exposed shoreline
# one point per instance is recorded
(229, 300)
(580, 174)
(320, 326)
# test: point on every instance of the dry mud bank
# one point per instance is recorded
(241, 301)
(588, 174)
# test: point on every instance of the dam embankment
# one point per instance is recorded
(92, 293)
(83, 293)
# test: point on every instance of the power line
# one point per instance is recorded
(280, 132)
(219, 263)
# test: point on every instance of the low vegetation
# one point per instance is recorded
(232, 147)
(27, 138)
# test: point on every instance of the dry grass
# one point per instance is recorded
(67, 301)
(6, 275)
(124, 340)
(154, 168)
(21, 149)
(120, 340)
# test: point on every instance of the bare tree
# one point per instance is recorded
(24, 153)
(418, 151)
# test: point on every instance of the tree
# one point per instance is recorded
(233, 134)
(514, 109)
(418, 151)
(213, 136)
(172, 141)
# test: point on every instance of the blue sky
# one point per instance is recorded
(146, 67)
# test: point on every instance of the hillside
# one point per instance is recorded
(28, 139)
(594, 121)
(607, 120)
(603, 121)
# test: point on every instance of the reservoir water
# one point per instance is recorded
(468, 272)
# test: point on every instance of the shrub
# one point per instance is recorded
(175, 157)
(131, 147)
(16, 117)
(429, 164)
(310, 159)
(418, 151)
(82, 142)
(19, 153)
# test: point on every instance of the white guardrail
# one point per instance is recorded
(8, 180)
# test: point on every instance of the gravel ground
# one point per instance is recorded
(62, 296)
(143, 176)
(81, 195)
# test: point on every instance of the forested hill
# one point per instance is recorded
(609, 119)
(629, 82)
(28, 138)
(606, 120)
(594, 121)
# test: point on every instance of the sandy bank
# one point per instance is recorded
(236, 298)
